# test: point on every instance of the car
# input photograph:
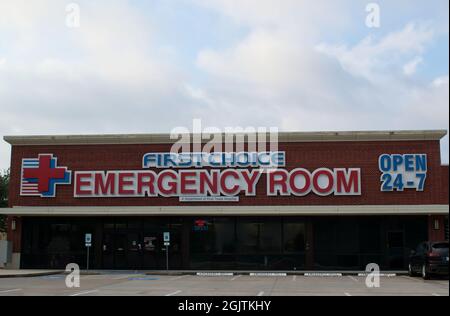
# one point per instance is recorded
(429, 259)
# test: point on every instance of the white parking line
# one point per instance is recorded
(294, 278)
(267, 274)
(261, 293)
(174, 293)
(347, 294)
(236, 277)
(124, 277)
(179, 277)
(412, 279)
(92, 277)
(435, 294)
(10, 291)
(84, 293)
(214, 274)
(352, 278)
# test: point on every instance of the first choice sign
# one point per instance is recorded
(224, 177)
(210, 175)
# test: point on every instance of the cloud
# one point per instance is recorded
(108, 76)
(370, 59)
(441, 82)
(276, 14)
(297, 82)
(286, 63)
(410, 68)
(263, 58)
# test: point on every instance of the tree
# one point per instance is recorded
(4, 183)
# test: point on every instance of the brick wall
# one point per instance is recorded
(362, 155)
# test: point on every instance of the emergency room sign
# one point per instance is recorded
(229, 182)
(191, 176)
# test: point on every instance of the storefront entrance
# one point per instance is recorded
(223, 243)
(137, 244)
(204, 244)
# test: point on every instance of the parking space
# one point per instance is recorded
(238, 285)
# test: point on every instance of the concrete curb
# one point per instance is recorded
(29, 275)
(215, 273)
(275, 273)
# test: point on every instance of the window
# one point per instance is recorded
(225, 241)
(109, 225)
(370, 236)
(270, 236)
(202, 235)
(135, 224)
(395, 239)
(294, 237)
(247, 235)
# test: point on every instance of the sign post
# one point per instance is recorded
(167, 244)
(88, 242)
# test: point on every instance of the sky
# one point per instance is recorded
(149, 66)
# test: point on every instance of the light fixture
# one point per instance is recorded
(436, 224)
(13, 225)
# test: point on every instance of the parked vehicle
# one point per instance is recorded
(429, 259)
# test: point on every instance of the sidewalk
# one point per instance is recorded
(5, 273)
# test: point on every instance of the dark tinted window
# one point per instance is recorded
(370, 236)
(109, 225)
(247, 236)
(121, 224)
(396, 239)
(347, 241)
(294, 237)
(270, 236)
(134, 224)
(225, 241)
(202, 236)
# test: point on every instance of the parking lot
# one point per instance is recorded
(234, 285)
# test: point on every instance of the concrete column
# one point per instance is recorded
(15, 236)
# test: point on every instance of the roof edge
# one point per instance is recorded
(110, 139)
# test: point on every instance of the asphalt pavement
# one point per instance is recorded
(137, 284)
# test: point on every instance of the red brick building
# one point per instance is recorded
(338, 201)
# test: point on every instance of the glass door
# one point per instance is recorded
(108, 251)
(120, 253)
(175, 248)
(152, 241)
(134, 251)
(295, 245)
